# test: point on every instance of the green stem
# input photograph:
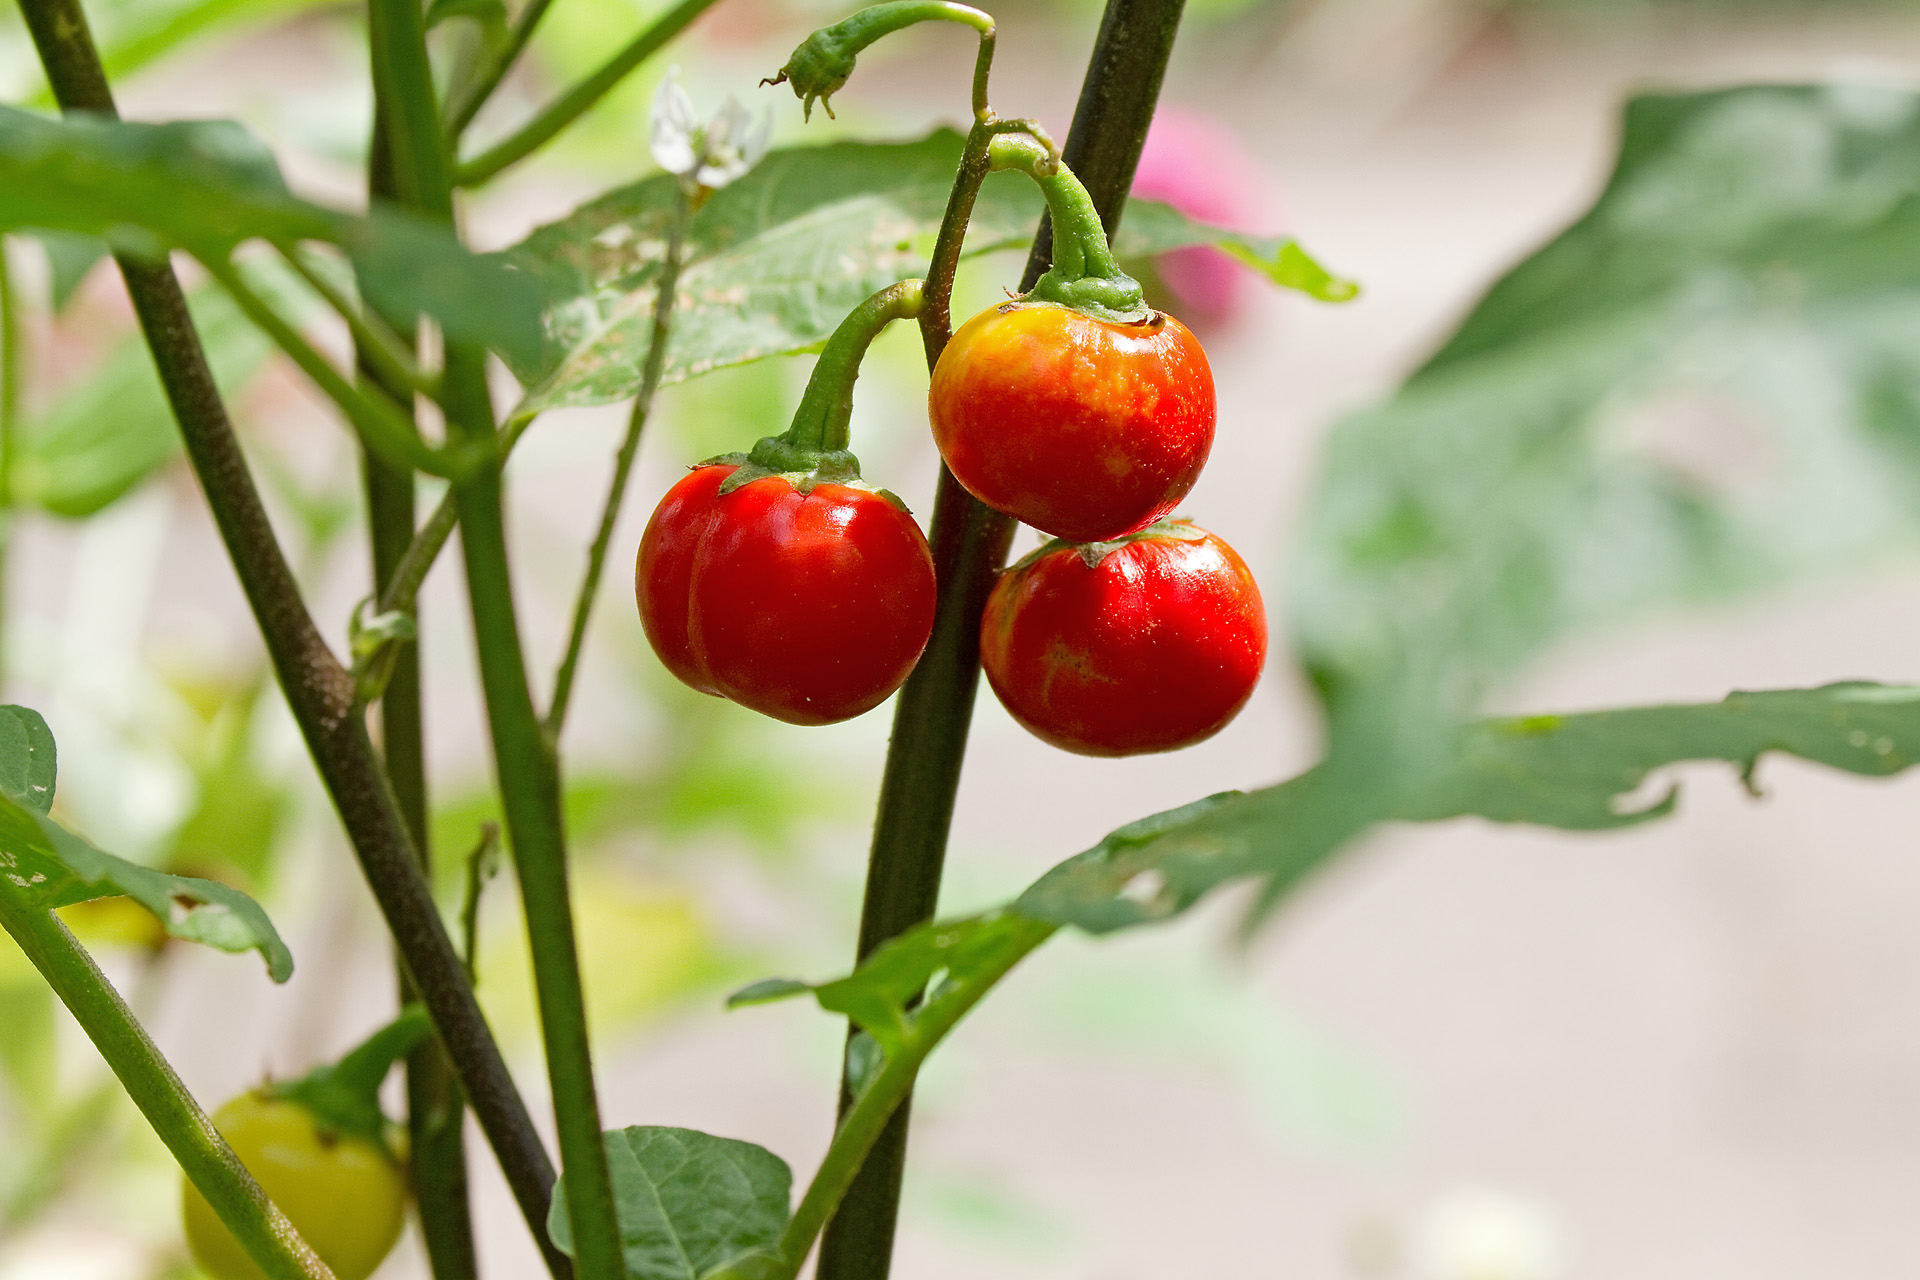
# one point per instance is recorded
(663, 301)
(574, 104)
(375, 345)
(1084, 274)
(465, 100)
(530, 798)
(862, 1125)
(12, 391)
(436, 1108)
(821, 423)
(934, 709)
(319, 691)
(209, 1163)
(528, 776)
(379, 424)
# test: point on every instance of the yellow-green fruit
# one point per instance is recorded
(345, 1195)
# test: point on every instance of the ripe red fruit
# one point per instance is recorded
(1082, 428)
(1150, 644)
(810, 608)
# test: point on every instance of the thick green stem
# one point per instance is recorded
(318, 690)
(821, 423)
(209, 1163)
(970, 541)
(538, 131)
(436, 1109)
(528, 777)
(530, 798)
(663, 300)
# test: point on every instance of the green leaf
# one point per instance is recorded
(775, 260)
(766, 991)
(1576, 772)
(69, 259)
(1706, 386)
(1148, 227)
(114, 428)
(689, 1203)
(29, 763)
(929, 963)
(207, 186)
(44, 866)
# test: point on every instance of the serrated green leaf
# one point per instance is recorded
(1707, 386)
(1575, 772)
(775, 260)
(689, 1203)
(206, 186)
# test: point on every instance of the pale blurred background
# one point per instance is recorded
(1465, 1053)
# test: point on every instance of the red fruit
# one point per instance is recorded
(1082, 428)
(1155, 646)
(810, 608)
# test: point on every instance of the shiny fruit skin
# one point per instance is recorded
(1081, 428)
(343, 1194)
(809, 608)
(1156, 647)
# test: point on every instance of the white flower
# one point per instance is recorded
(709, 155)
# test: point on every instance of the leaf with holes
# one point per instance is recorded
(775, 260)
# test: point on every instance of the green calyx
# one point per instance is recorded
(345, 1096)
(824, 62)
(1084, 275)
(1178, 528)
(779, 457)
(814, 449)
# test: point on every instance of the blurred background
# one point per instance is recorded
(1464, 1053)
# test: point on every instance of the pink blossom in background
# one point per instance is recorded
(1193, 162)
